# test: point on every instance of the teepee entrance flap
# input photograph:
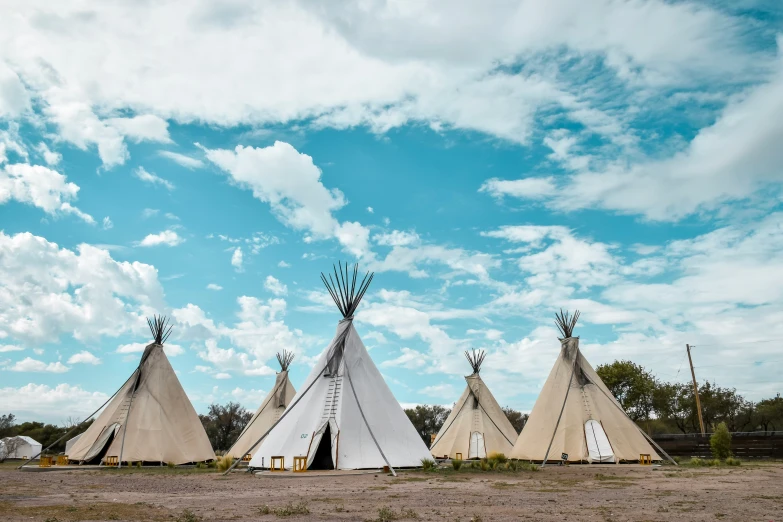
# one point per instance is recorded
(598, 447)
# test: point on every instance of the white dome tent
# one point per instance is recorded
(19, 447)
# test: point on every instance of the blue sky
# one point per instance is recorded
(207, 160)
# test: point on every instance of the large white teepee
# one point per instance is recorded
(273, 405)
(576, 414)
(344, 416)
(150, 419)
(476, 425)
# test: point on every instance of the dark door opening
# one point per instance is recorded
(323, 454)
(96, 459)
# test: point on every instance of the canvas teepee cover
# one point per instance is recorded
(344, 416)
(476, 425)
(273, 405)
(593, 427)
(150, 419)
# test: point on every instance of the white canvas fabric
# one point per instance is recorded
(69, 444)
(19, 447)
(273, 405)
(588, 399)
(327, 400)
(598, 447)
(162, 425)
(476, 425)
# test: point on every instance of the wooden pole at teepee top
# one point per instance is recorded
(695, 390)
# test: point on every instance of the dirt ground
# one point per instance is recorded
(609, 493)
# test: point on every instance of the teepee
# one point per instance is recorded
(476, 425)
(575, 417)
(344, 416)
(273, 405)
(150, 419)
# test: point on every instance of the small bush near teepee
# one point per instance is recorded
(224, 462)
(212, 464)
(427, 464)
(713, 462)
(731, 461)
(497, 456)
(456, 464)
(720, 442)
(201, 465)
(696, 462)
(485, 465)
(171, 464)
(188, 516)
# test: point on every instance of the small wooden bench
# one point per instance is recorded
(276, 459)
(645, 459)
(111, 461)
(45, 462)
(300, 464)
(62, 460)
(247, 458)
(458, 456)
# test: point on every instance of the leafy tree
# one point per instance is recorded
(720, 442)
(632, 385)
(427, 419)
(224, 424)
(769, 413)
(6, 425)
(516, 418)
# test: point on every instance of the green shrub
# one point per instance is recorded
(225, 462)
(456, 464)
(485, 465)
(285, 511)
(427, 464)
(500, 457)
(188, 516)
(212, 464)
(713, 462)
(720, 442)
(386, 514)
(731, 461)
(696, 462)
(201, 465)
(475, 464)
(678, 460)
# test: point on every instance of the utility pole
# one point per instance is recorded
(695, 390)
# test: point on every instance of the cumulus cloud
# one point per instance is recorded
(28, 364)
(167, 237)
(275, 286)
(146, 127)
(50, 291)
(410, 359)
(41, 187)
(49, 403)
(50, 157)
(215, 287)
(172, 350)
(84, 357)
(237, 259)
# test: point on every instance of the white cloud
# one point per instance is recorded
(4, 348)
(237, 259)
(397, 238)
(170, 349)
(84, 357)
(442, 391)
(167, 237)
(28, 364)
(283, 264)
(213, 286)
(182, 159)
(41, 187)
(529, 188)
(410, 359)
(250, 399)
(275, 286)
(51, 158)
(149, 212)
(50, 291)
(147, 127)
(39, 402)
(148, 177)
(370, 210)
(222, 375)
(14, 98)
(107, 224)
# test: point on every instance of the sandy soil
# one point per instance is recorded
(750, 492)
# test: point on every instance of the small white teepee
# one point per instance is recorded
(576, 415)
(150, 419)
(273, 405)
(476, 426)
(344, 416)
